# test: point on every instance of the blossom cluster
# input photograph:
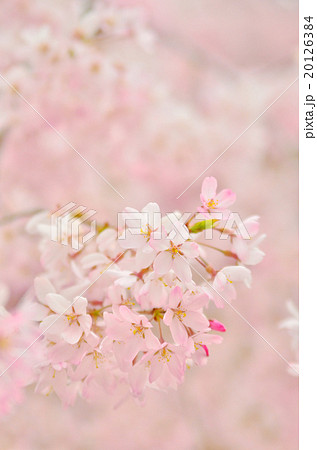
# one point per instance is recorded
(134, 305)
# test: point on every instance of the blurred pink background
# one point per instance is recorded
(151, 104)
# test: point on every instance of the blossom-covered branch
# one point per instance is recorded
(125, 307)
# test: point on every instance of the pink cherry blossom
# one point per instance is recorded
(184, 314)
(163, 368)
(201, 343)
(223, 286)
(130, 333)
(143, 320)
(69, 318)
(173, 253)
(213, 202)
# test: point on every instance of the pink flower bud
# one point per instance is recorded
(217, 326)
(206, 349)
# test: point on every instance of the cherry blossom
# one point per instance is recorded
(173, 253)
(185, 313)
(124, 308)
(69, 318)
(223, 283)
(213, 202)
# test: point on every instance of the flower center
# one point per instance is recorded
(71, 318)
(165, 355)
(146, 232)
(180, 314)
(212, 204)
(138, 330)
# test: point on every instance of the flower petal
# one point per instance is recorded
(190, 249)
(54, 324)
(73, 333)
(163, 263)
(80, 305)
(178, 331)
(208, 190)
(85, 322)
(196, 320)
(42, 287)
(225, 198)
(58, 303)
(182, 269)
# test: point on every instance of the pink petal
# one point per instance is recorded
(197, 302)
(37, 312)
(175, 297)
(144, 259)
(80, 305)
(220, 282)
(209, 338)
(217, 326)
(54, 324)
(58, 303)
(238, 273)
(208, 190)
(154, 215)
(182, 269)
(176, 368)
(74, 291)
(190, 249)
(196, 320)
(151, 340)
(168, 317)
(241, 248)
(252, 225)
(205, 349)
(156, 369)
(225, 198)
(94, 259)
(160, 244)
(178, 331)
(43, 287)
(137, 378)
(73, 333)
(163, 263)
(131, 316)
(85, 322)
(106, 239)
(132, 239)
